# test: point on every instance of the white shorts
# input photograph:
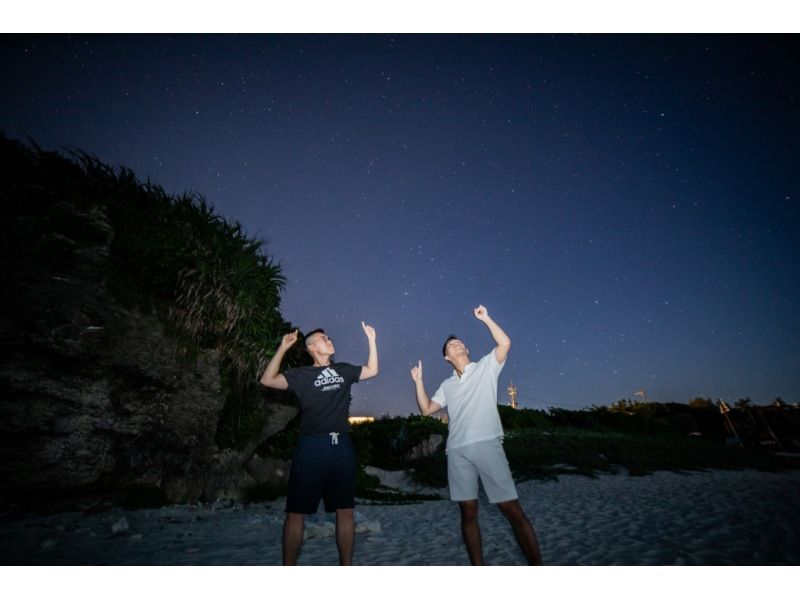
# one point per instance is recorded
(485, 459)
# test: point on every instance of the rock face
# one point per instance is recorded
(93, 396)
(427, 447)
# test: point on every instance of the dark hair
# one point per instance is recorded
(315, 331)
(444, 346)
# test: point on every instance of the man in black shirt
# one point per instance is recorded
(324, 461)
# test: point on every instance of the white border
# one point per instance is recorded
(401, 16)
(372, 582)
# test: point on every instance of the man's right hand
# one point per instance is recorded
(416, 372)
(271, 377)
(288, 340)
(426, 406)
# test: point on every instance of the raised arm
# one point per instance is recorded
(271, 377)
(426, 406)
(499, 336)
(371, 369)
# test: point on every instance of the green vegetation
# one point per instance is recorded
(387, 442)
(431, 470)
(639, 438)
(281, 445)
(210, 283)
(535, 454)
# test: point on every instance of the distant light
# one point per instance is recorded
(360, 419)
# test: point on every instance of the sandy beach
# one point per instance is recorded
(711, 518)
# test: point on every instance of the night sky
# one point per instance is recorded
(624, 206)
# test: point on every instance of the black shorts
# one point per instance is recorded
(322, 468)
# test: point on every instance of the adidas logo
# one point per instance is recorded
(328, 376)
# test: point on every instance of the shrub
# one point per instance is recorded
(387, 442)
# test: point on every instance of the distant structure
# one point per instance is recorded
(512, 393)
(725, 410)
(360, 419)
(640, 393)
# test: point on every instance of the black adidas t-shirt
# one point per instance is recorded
(324, 396)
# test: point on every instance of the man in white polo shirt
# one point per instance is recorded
(474, 443)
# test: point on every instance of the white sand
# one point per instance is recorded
(716, 518)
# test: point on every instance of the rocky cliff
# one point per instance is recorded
(99, 397)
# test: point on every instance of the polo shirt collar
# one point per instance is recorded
(463, 375)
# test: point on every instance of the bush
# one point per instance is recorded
(387, 442)
(533, 454)
(282, 444)
(431, 471)
(517, 419)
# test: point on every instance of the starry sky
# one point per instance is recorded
(625, 206)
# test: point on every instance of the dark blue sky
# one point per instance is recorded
(625, 206)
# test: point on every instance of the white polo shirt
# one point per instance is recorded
(471, 402)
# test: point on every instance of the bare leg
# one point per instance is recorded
(523, 530)
(292, 537)
(470, 531)
(345, 535)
